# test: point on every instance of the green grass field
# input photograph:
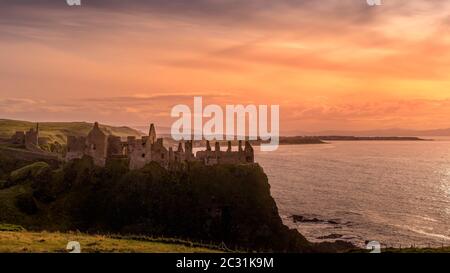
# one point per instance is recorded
(58, 131)
(418, 250)
(41, 242)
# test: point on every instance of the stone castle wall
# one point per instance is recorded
(18, 138)
(140, 152)
(30, 138)
(75, 147)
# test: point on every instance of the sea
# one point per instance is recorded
(393, 192)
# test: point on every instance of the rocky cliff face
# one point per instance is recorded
(222, 203)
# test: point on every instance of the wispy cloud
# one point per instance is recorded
(372, 65)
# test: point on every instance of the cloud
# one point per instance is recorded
(305, 15)
(134, 110)
(313, 115)
(369, 114)
(11, 105)
(84, 60)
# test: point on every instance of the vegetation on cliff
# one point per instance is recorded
(222, 203)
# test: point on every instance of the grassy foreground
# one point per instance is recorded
(41, 242)
(418, 250)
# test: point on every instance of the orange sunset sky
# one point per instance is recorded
(329, 64)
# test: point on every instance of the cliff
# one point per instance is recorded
(222, 203)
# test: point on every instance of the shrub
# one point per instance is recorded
(11, 227)
(25, 203)
(29, 171)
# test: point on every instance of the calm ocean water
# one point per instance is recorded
(390, 191)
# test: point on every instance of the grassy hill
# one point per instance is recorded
(58, 131)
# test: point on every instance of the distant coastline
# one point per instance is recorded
(371, 138)
(299, 140)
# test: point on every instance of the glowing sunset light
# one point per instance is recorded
(328, 64)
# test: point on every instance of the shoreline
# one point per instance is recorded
(304, 140)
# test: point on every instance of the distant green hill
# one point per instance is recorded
(58, 131)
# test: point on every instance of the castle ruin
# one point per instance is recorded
(101, 147)
(30, 139)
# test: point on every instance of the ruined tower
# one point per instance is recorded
(32, 137)
(188, 145)
(217, 147)
(249, 153)
(96, 145)
(229, 147)
(152, 134)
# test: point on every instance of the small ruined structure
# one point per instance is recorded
(18, 138)
(210, 157)
(101, 147)
(30, 139)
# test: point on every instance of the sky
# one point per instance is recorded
(330, 64)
